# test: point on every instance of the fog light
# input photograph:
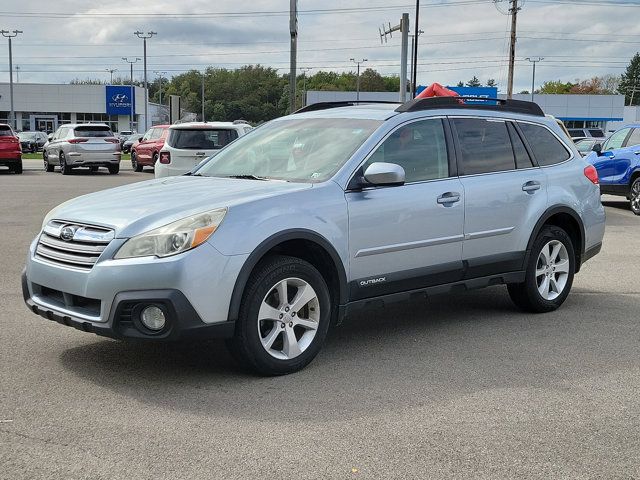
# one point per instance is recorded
(153, 318)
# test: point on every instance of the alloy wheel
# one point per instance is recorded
(288, 318)
(635, 197)
(552, 270)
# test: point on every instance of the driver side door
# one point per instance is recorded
(409, 236)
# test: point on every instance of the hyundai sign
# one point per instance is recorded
(119, 99)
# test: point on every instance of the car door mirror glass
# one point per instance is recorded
(597, 147)
(382, 173)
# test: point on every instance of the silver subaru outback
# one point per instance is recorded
(291, 227)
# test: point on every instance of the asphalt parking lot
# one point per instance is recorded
(464, 387)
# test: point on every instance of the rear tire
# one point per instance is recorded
(276, 335)
(94, 169)
(114, 169)
(549, 273)
(65, 169)
(634, 196)
(47, 166)
(17, 168)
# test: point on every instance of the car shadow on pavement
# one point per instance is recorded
(395, 358)
(621, 204)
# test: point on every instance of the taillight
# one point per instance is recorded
(592, 174)
(165, 157)
(78, 140)
(112, 140)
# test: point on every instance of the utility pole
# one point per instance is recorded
(293, 30)
(144, 37)
(304, 84)
(202, 96)
(11, 34)
(358, 76)
(534, 60)
(160, 77)
(512, 46)
(403, 27)
(414, 85)
(111, 70)
(414, 53)
(133, 93)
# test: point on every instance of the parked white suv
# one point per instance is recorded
(190, 143)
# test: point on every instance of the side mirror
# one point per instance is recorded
(384, 174)
(49, 137)
(597, 147)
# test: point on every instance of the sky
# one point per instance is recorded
(69, 39)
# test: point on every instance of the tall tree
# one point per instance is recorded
(630, 82)
(556, 87)
(491, 83)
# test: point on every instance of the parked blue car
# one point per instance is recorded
(618, 164)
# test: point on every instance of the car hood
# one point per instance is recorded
(142, 206)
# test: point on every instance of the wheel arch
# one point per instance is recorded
(305, 244)
(567, 219)
(634, 175)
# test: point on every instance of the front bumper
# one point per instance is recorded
(195, 287)
(183, 322)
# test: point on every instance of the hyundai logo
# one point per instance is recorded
(120, 97)
(67, 233)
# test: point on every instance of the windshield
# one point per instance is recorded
(585, 145)
(302, 150)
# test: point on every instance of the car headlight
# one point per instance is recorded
(177, 237)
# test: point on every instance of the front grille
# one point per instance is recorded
(72, 244)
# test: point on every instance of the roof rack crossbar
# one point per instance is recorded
(342, 103)
(508, 105)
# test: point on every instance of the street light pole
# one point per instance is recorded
(111, 70)
(358, 77)
(203, 96)
(132, 99)
(144, 37)
(304, 84)
(534, 60)
(160, 77)
(11, 34)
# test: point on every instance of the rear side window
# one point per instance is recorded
(91, 131)
(596, 132)
(523, 160)
(617, 139)
(547, 149)
(5, 131)
(634, 138)
(485, 145)
(201, 139)
(419, 148)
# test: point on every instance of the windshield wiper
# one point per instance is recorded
(247, 176)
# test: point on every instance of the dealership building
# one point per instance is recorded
(45, 107)
(576, 111)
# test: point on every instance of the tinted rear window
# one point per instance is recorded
(547, 149)
(576, 133)
(596, 132)
(485, 145)
(92, 132)
(201, 139)
(5, 132)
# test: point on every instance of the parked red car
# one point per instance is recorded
(145, 152)
(10, 150)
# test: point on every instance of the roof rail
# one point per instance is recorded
(344, 103)
(503, 105)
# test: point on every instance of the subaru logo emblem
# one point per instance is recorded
(120, 98)
(67, 233)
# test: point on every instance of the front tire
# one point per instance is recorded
(47, 166)
(134, 163)
(549, 273)
(634, 196)
(284, 317)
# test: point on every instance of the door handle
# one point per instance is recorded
(449, 197)
(531, 186)
(637, 153)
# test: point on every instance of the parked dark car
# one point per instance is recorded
(32, 141)
(128, 142)
(10, 151)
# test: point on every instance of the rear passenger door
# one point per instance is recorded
(409, 236)
(505, 194)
